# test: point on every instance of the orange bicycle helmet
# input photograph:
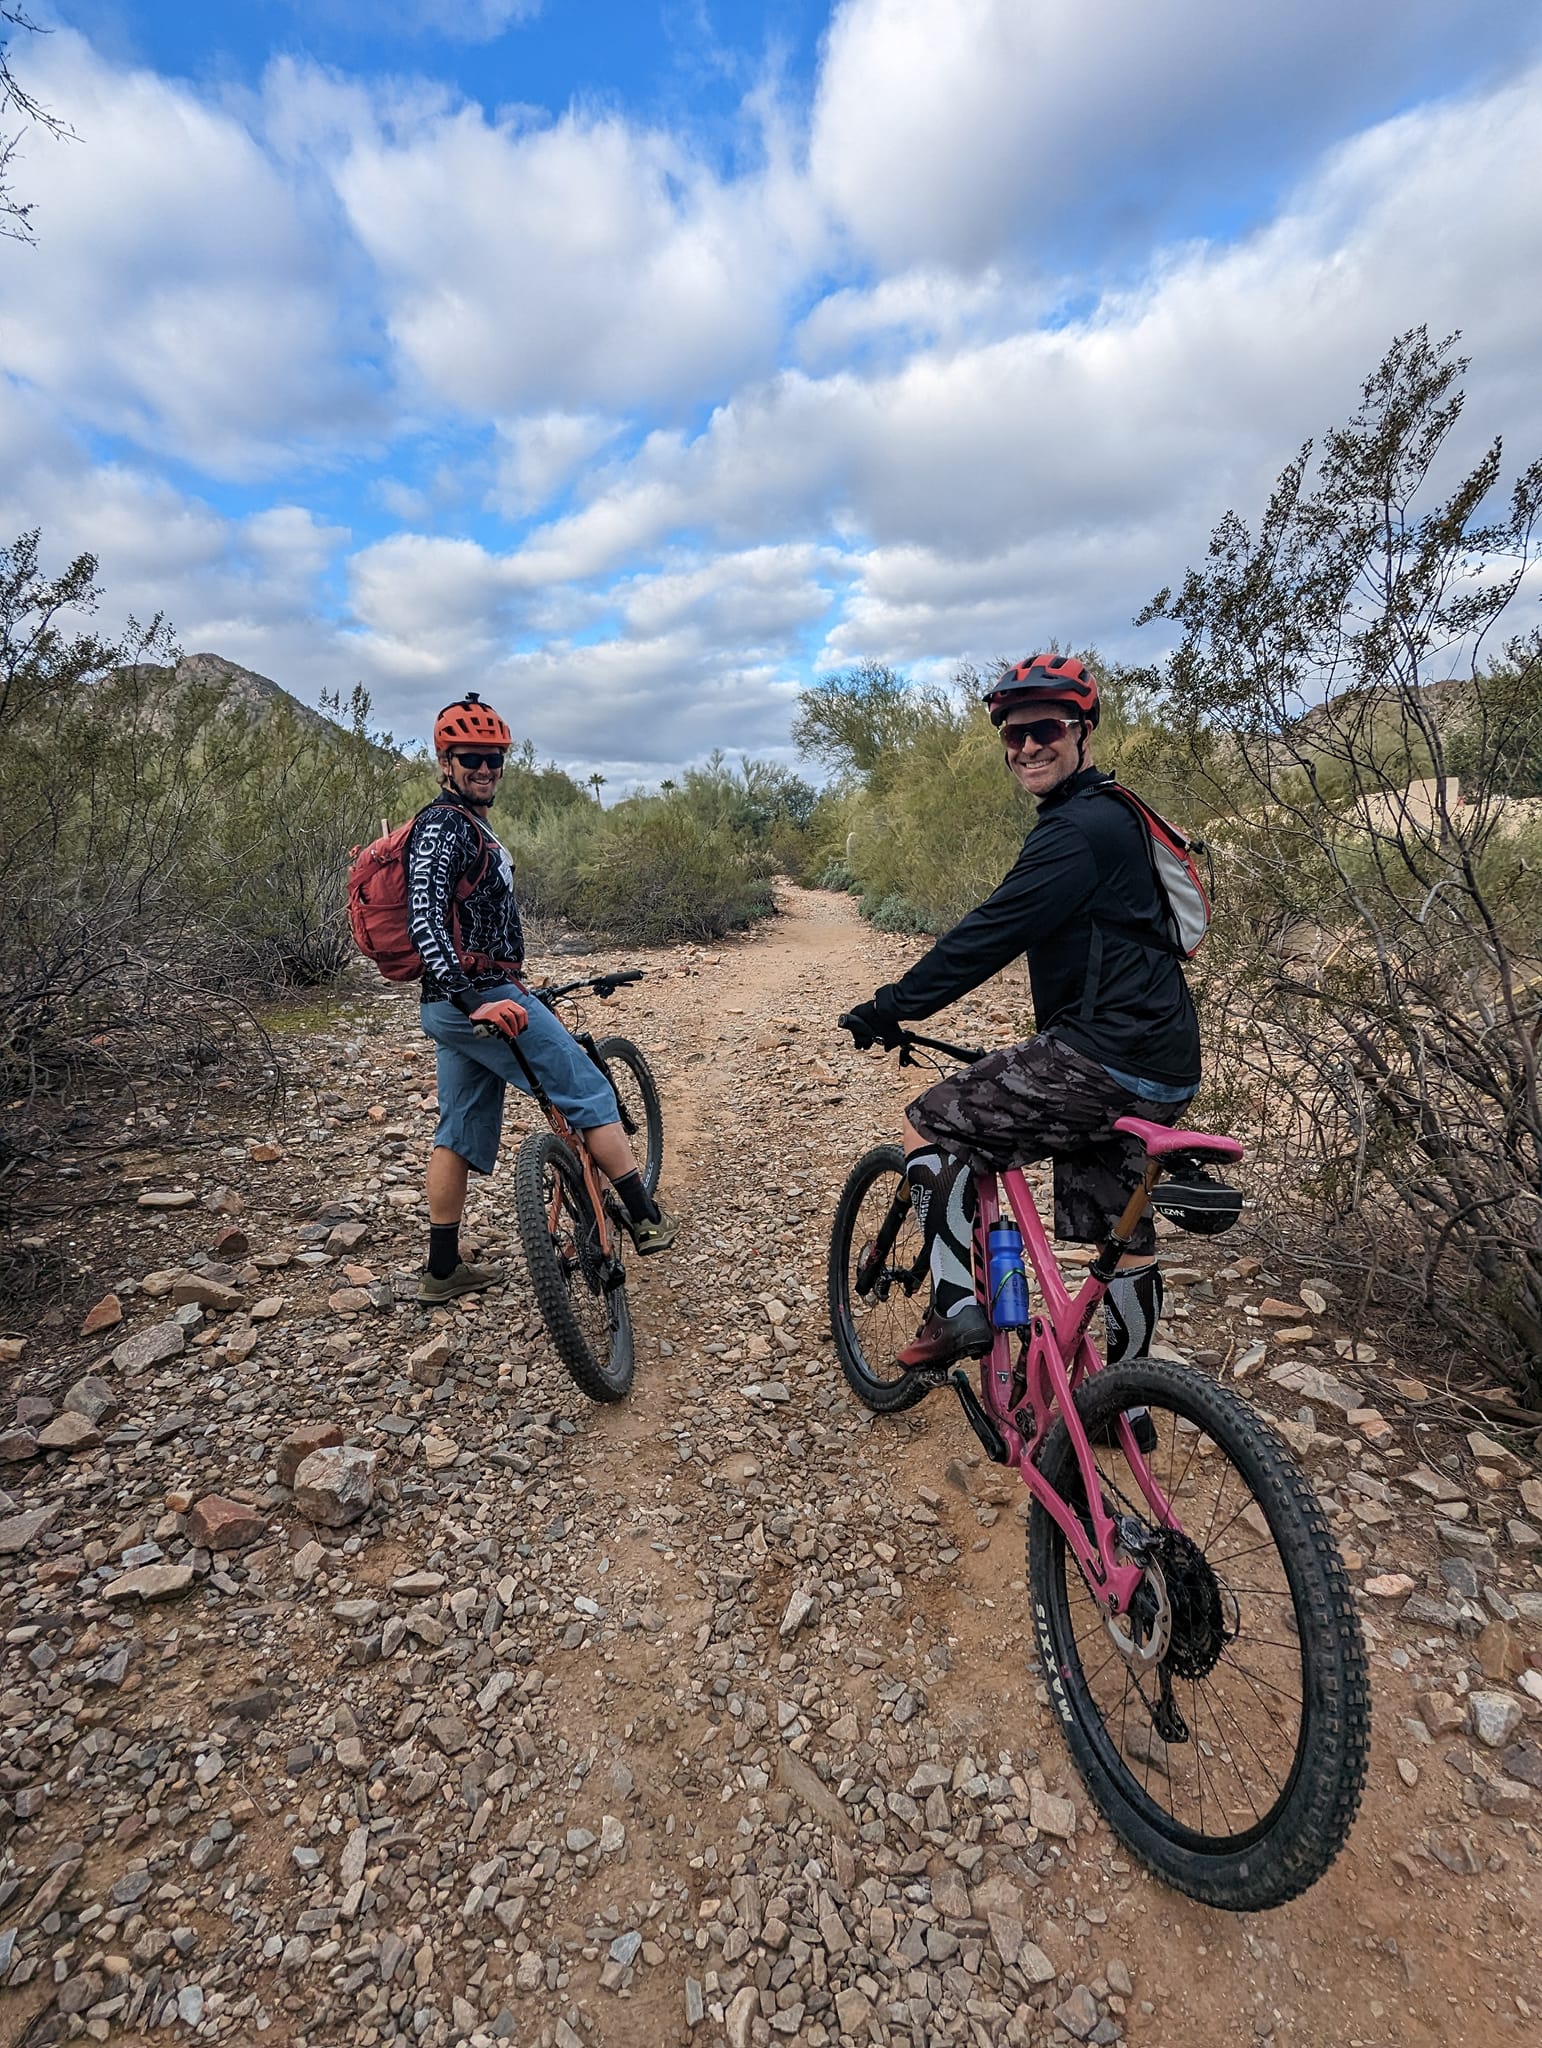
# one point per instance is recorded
(1045, 678)
(470, 723)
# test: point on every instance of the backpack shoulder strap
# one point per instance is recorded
(1147, 819)
(474, 875)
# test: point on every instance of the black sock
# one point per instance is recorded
(443, 1249)
(639, 1204)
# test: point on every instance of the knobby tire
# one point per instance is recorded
(868, 1331)
(590, 1327)
(1265, 1666)
(639, 1092)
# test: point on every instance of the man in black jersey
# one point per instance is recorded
(1116, 1029)
(463, 918)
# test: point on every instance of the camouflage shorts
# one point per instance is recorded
(1044, 1100)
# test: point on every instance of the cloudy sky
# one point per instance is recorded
(638, 360)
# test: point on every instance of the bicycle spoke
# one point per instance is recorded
(1210, 1739)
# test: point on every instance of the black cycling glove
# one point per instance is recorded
(870, 1025)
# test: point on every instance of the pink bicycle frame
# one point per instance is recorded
(1024, 1396)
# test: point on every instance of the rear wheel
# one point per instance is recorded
(1223, 1725)
(581, 1295)
(877, 1269)
(637, 1095)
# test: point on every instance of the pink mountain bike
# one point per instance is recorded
(1195, 1624)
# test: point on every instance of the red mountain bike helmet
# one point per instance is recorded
(1044, 679)
(470, 723)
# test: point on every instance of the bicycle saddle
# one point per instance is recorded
(1159, 1141)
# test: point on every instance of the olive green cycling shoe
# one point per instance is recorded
(464, 1280)
(653, 1237)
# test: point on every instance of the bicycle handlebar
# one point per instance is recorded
(967, 1055)
(905, 1040)
(602, 984)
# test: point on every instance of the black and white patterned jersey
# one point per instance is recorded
(483, 928)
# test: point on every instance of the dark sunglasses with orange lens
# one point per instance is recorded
(1044, 732)
(474, 761)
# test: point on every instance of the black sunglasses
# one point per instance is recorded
(493, 761)
(1044, 732)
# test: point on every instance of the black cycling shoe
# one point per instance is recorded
(942, 1339)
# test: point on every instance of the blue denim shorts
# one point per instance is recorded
(474, 1071)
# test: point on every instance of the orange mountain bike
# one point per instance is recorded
(1195, 1624)
(569, 1224)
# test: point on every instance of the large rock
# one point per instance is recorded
(93, 1398)
(106, 1315)
(69, 1432)
(150, 1582)
(215, 1523)
(300, 1443)
(1051, 1815)
(428, 1362)
(811, 1791)
(21, 1531)
(335, 1486)
(206, 1293)
(17, 1445)
(152, 1346)
(1313, 1384)
(1495, 1717)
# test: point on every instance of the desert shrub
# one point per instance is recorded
(165, 852)
(928, 813)
(1376, 978)
(656, 872)
(295, 802)
(548, 847)
(894, 914)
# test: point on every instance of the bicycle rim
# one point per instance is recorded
(1232, 1762)
(638, 1096)
(876, 1302)
(590, 1324)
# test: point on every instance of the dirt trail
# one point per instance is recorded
(708, 1716)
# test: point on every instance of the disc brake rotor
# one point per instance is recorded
(1141, 1636)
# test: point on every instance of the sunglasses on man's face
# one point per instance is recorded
(1044, 732)
(475, 761)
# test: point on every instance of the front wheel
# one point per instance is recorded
(581, 1296)
(1223, 1726)
(637, 1097)
(877, 1269)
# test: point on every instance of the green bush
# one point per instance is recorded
(656, 873)
(547, 849)
(282, 830)
(924, 809)
(894, 914)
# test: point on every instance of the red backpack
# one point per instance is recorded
(377, 901)
(1182, 894)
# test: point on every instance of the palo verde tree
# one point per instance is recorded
(1376, 979)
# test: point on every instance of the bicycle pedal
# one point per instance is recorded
(931, 1376)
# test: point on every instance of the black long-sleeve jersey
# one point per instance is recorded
(1081, 901)
(470, 943)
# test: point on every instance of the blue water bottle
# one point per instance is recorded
(1008, 1280)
